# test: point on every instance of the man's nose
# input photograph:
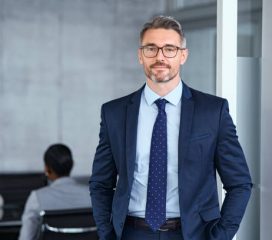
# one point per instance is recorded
(160, 55)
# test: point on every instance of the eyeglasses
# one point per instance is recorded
(168, 51)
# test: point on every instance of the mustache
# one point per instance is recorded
(160, 64)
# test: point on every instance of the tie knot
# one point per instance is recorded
(161, 103)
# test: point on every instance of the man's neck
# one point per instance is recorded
(163, 88)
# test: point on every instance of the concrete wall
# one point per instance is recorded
(59, 61)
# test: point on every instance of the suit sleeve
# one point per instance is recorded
(31, 221)
(103, 182)
(234, 173)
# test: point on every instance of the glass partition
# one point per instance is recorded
(249, 41)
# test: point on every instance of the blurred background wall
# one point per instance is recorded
(59, 61)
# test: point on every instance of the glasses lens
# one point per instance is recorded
(150, 51)
(169, 51)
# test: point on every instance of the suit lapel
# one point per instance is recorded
(186, 119)
(131, 133)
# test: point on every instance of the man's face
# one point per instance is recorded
(161, 69)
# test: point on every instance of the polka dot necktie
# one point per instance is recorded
(155, 214)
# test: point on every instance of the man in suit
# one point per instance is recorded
(154, 171)
(63, 193)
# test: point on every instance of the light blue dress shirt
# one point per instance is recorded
(147, 115)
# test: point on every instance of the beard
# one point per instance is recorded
(160, 77)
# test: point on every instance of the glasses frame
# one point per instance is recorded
(161, 48)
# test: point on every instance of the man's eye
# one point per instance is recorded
(151, 49)
(169, 49)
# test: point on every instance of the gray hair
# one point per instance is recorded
(165, 22)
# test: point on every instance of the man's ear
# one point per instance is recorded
(140, 56)
(184, 56)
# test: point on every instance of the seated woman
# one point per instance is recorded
(63, 192)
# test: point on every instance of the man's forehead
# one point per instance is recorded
(161, 36)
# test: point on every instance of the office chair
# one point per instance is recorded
(68, 224)
(15, 188)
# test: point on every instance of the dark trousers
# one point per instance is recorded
(132, 233)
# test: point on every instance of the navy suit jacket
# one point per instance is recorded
(207, 143)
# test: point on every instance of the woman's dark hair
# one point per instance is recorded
(59, 158)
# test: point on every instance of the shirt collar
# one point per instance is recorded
(173, 97)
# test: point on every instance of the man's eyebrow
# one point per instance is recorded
(166, 45)
(169, 45)
(150, 44)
